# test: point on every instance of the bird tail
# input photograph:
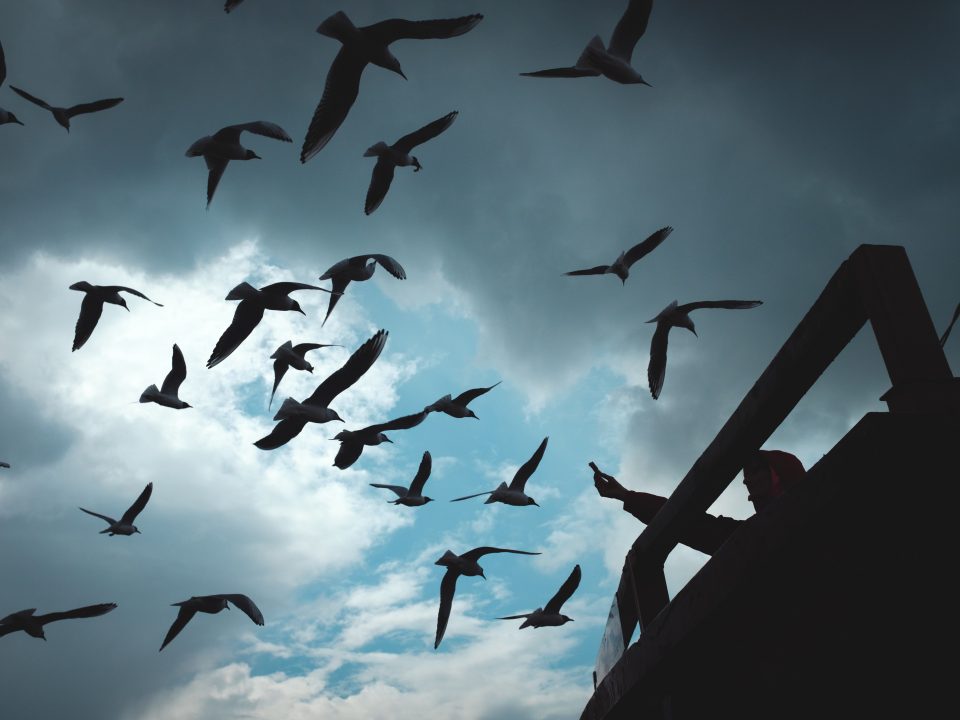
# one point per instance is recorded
(289, 408)
(435, 406)
(288, 344)
(446, 559)
(148, 394)
(243, 291)
(338, 26)
(376, 150)
(586, 58)
(83, 286)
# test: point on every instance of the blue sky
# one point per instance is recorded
(774, 140)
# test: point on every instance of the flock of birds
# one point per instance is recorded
(360, 46)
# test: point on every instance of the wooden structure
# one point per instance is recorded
(825, 604)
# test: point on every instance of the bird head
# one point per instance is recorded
(531, 501)
(309, 367)
(123, 303)
(13, 118)
(482, 575)
(136, 530)
(394, 65)
(686, 322)
(251, 155)
(342, 435)
(296, 307)
(383, 438)
(335, 416)
(471, 414)
(427, 499)
(417, 167)
(185, 405)
(566, 618)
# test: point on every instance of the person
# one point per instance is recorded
(767, 474)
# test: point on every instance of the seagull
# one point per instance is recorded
(412, 496)
(550, 614)
(5, 115)
(513, 494)
(63, 115)
(230, 5)
(368, 44)
(211, 604)
(250, 310)
(33, 624)
(289, 355)
(946, 333)
(458, 565)
(359, 269)
(167, 394)
(294, 416)
(613, 61)
(674, 315)
(457, 407)
(390, 157)
(224, 145)
(621, 266)
(92, 306)
(125, 526)
(352, 442)
(4, 464)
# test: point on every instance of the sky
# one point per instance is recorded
(775, 139)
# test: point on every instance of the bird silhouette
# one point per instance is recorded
(224, 145)
(457, 406)
(679, 316)
(612, 61)
(211, 604)
(289, 355)
(5, 115)
(357, 268)
(457, 565)
(360, 46)
(621, 266)
(513, 494)
(550, 614)
(247, 316)
(230, 5)
(168, 395)
(390, 157)
(92, 306)
(33, 624)
(352, 442)
(4, 464)
(125, 526)
(63, 115)
(946, 333)
(412, 496)
(294, 416)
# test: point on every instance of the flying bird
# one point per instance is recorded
(211, 604)
(289, 355)
(352, 442)
(63, 115)
(92, 306)
(514, 494)
(250, 310)
(674, 315)
(550, 613)
(390, 157)
(368, 44)
(412, 496)
(5, 115)
(458, 565)
(4, 464)
(167, 395)
(357, 268)
(457, 406)
(621, 266)
(230, 5)
(612, 61)
(125, 526)
(224, 145)
(946, 333)
(33, 624)
(294, 416)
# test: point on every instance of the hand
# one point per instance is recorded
(607, 485)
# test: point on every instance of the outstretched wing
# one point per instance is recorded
(401, 423)
(514, 617)
(27, 96)
(448, 586)
(351, 371)
(468, 396)
(380, 181)
(642, 248)
(630, 28)
(564, 72)
(90, 310)
(528, 468)
(303, 348)
(84, 612)
(102, 517)
(349, 452)
(479, 552)
(282, 433)
(723, 304)
(467, 497)
(339, 94)
(177, 374)
(3, 66)
(279, 370)
(598, 270)
(389, 30)
(564, 593)
(245, 604)
(946, 333)
(657, 367)
(230, 5)
(390, 265)
(95, 106)
(245, 319)
(338, 286)
(183, 617)
(423, 472)
(285, 288)
(138, 505)
(427, 132)
(399, 490)
(123, 288)
(231, 133)
(215, 169)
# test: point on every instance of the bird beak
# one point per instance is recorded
(389, 441)
(535, 502)
(138, 532)
(300, 310)
(644, 82)
(256, 157)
